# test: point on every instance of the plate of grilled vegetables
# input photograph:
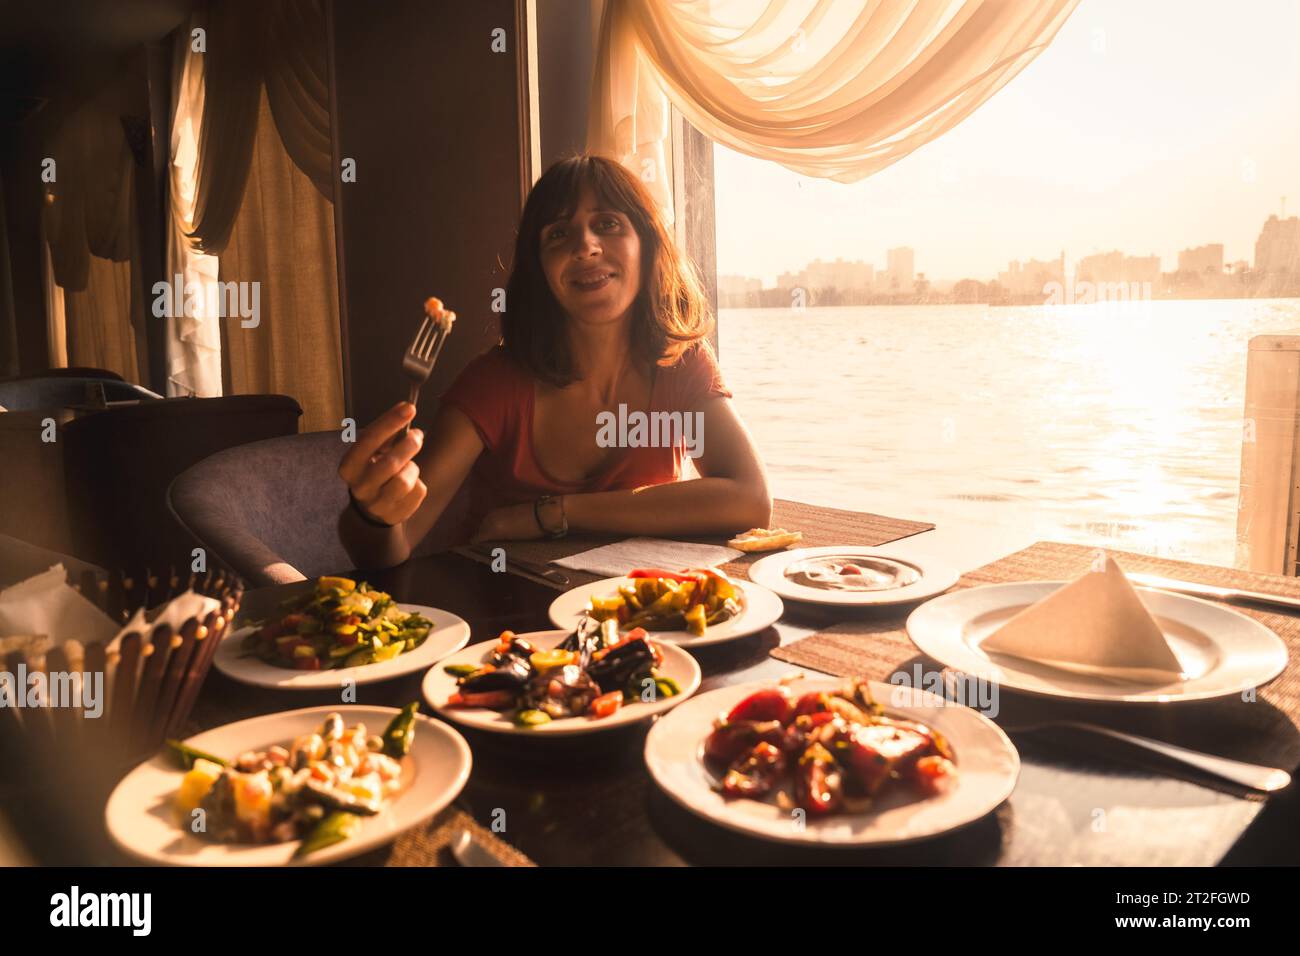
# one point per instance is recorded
(690, 608)
(298, 788)
(339, 629)
(592, 678)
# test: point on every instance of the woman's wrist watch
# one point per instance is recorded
(551, 529)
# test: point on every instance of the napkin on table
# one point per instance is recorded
(43, 611)
(1096, 624)
(617, 559)
(177, 611)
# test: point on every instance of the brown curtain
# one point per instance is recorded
(282, 238)
(297, 86)
(232, 79)
(263, 201)
(251, 45)
(98, 336)
(89, 225)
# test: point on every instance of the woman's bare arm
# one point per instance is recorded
(731, 496)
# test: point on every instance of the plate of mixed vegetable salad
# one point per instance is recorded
(299, 788)
(340, 628)
(832, 762)
(692, 607)
(581, 681)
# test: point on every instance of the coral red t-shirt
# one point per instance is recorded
(497, 395)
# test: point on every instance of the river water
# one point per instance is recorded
(1117, 424)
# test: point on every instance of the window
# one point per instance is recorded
(1035, 326)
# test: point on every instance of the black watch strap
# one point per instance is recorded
(364, 515)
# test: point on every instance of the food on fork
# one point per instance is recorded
(444, 318)
(658, 600)
(592, 673)
(340, 623)
(765, 539)
(316, 789)
(824, 752)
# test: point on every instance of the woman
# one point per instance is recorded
(604, 318)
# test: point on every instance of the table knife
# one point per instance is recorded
(1231, 595)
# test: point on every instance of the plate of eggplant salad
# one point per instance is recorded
(340, 628)
(691, 608)
(298, 788)
(832, 762)
(592, 678)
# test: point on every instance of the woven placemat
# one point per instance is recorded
(430, 845)
(821, 527)
(1266, 730)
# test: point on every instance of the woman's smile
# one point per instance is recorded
(592, 280)
(592, 260)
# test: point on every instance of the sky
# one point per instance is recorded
(1147, 126)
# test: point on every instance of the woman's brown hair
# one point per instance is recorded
(670, 313)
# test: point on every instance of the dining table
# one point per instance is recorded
(590, 800)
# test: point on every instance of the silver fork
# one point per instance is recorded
(418, 361)
(1254, 776)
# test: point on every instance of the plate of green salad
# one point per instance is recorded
(340, 629)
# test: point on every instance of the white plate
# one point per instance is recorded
(770, 572)
(439, 685)
(1222, 651)
(987, 768)
(449, 634)
(760, 608)
(139, 812)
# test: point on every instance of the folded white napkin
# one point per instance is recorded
(613, 560)
(177, 611)
(39, 614)
(46, 605)
(44, 612)
(1097, 625)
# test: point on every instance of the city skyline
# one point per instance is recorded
(1277, 245)
(1116, 137)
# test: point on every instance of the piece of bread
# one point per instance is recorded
(765, 539)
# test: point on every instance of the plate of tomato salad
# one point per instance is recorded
(831, 762)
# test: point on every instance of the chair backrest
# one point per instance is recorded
(270, 509)
(119, 463)
(42, 392)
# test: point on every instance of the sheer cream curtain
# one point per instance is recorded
(837, 89)
(193, 335)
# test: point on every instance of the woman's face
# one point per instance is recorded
(592, 262)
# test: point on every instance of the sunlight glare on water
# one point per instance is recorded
(1117, 424)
